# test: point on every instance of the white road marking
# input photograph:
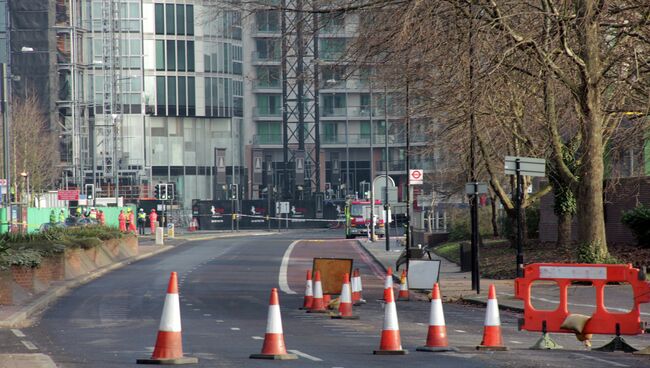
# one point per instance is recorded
(601, 360)
(234, 328)
(258, 338)
(219, 321)
(420, 324)
(207, 315)
(189, 304)
(17, 332)
(282, 277)
(29, 345)
(516, 342)
(306, 356)
(461, 331)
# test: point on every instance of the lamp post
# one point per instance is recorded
(25, 177)
(386, 204)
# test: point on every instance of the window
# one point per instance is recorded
(182, 96)
(267, 21)
(333, 75)
(334, 104)
(180, 19)
(332, 48)
(171, 96)
(181, 55)
(160, 19)
(269, 105)
(160, 55)
(189, 10)
(160, 95)
(190, 56)
(269, 132)
(268, 76)
(171, 55)
(170, 18)
(333, 23)
(191, 97)
(268, 49)
(364, 129)
(330, 132)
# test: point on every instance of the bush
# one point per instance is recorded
(638, 220)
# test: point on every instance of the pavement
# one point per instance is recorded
(456, 286)
(22, 315)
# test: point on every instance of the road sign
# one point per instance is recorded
(67, 195)
(528, 166)
(469, 188)
(281, 208)
(416, 177)
(3, 182)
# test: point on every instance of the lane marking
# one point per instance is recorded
(306, 356)
(29, 345)
(601, 360)
(282, 277)
(207, 315)
(234, 328)
(516, 342)
(219, 321)
(461, 331)
(257, 338)
(17, 332)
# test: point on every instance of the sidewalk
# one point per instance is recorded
(19, 315)
(454, 284)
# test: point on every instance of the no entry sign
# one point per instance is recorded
(416, 177)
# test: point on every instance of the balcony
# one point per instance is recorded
(267, 139)
(266, 57)
(266, 85)
(267, 113)
(393, 165)
(328, 112)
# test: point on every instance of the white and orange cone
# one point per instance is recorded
(169, 342)
(317, 304)
(357, 288)
(437, 335)
(345, 301)
(492, 339)
(274, 347)
(309, 292)
(388, 283)
(404, 294)
(391, 343)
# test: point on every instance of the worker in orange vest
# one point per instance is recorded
(121, 218)
(153, 220)
(132, 227)
(101, 217)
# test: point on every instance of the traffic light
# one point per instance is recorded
(90, 191)
(163, 192)
(171, 191)
(156, 191)
(234, 191)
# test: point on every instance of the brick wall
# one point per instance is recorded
(23, 276)
(6, 292)
(624, 195)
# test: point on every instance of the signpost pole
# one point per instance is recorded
(476, 278)
(520, 255)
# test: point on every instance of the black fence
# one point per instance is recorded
(256, 214)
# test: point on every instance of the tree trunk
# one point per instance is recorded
(564, 222)
(591, 217)
(495, 226)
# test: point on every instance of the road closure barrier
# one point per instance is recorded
(602, 321)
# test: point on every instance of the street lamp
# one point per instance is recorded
(25, 177)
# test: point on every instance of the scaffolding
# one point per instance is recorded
(300, 110)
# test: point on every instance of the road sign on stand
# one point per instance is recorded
(282, 208)
(416, 177)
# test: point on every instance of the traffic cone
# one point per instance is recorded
(309, 293)
(388, 283)
(169, 342)
(357, 288)
(437, 335)
(403, 288)
(492, 339)
(390, 343)
(274, 347)
(345, 301)
(327, 300)
(317, 304)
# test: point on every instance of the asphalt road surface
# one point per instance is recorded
(224, 290)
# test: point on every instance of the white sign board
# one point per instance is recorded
(281, 208)
(561, 272)
(422, 274)
(416, 177)
(528, 166)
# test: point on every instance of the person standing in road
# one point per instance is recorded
(132, 222)
(52, 217)
(121, 218)
(153, 220)
(101, 217)
(62, 216)
(142, 219)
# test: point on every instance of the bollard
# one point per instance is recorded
(159, 236)
(170, 231)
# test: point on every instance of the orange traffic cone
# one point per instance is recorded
(345, 301)
(388, 283)
(391, 343)
(357, 288)
(317, 304)
(274, 347)
(403, 288)
(169, 342)
(309, 293)
(492, 339)
(437, 336)
(326, 300)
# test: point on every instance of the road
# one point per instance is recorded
(224, 286)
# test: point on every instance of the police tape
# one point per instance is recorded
(290, 219)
